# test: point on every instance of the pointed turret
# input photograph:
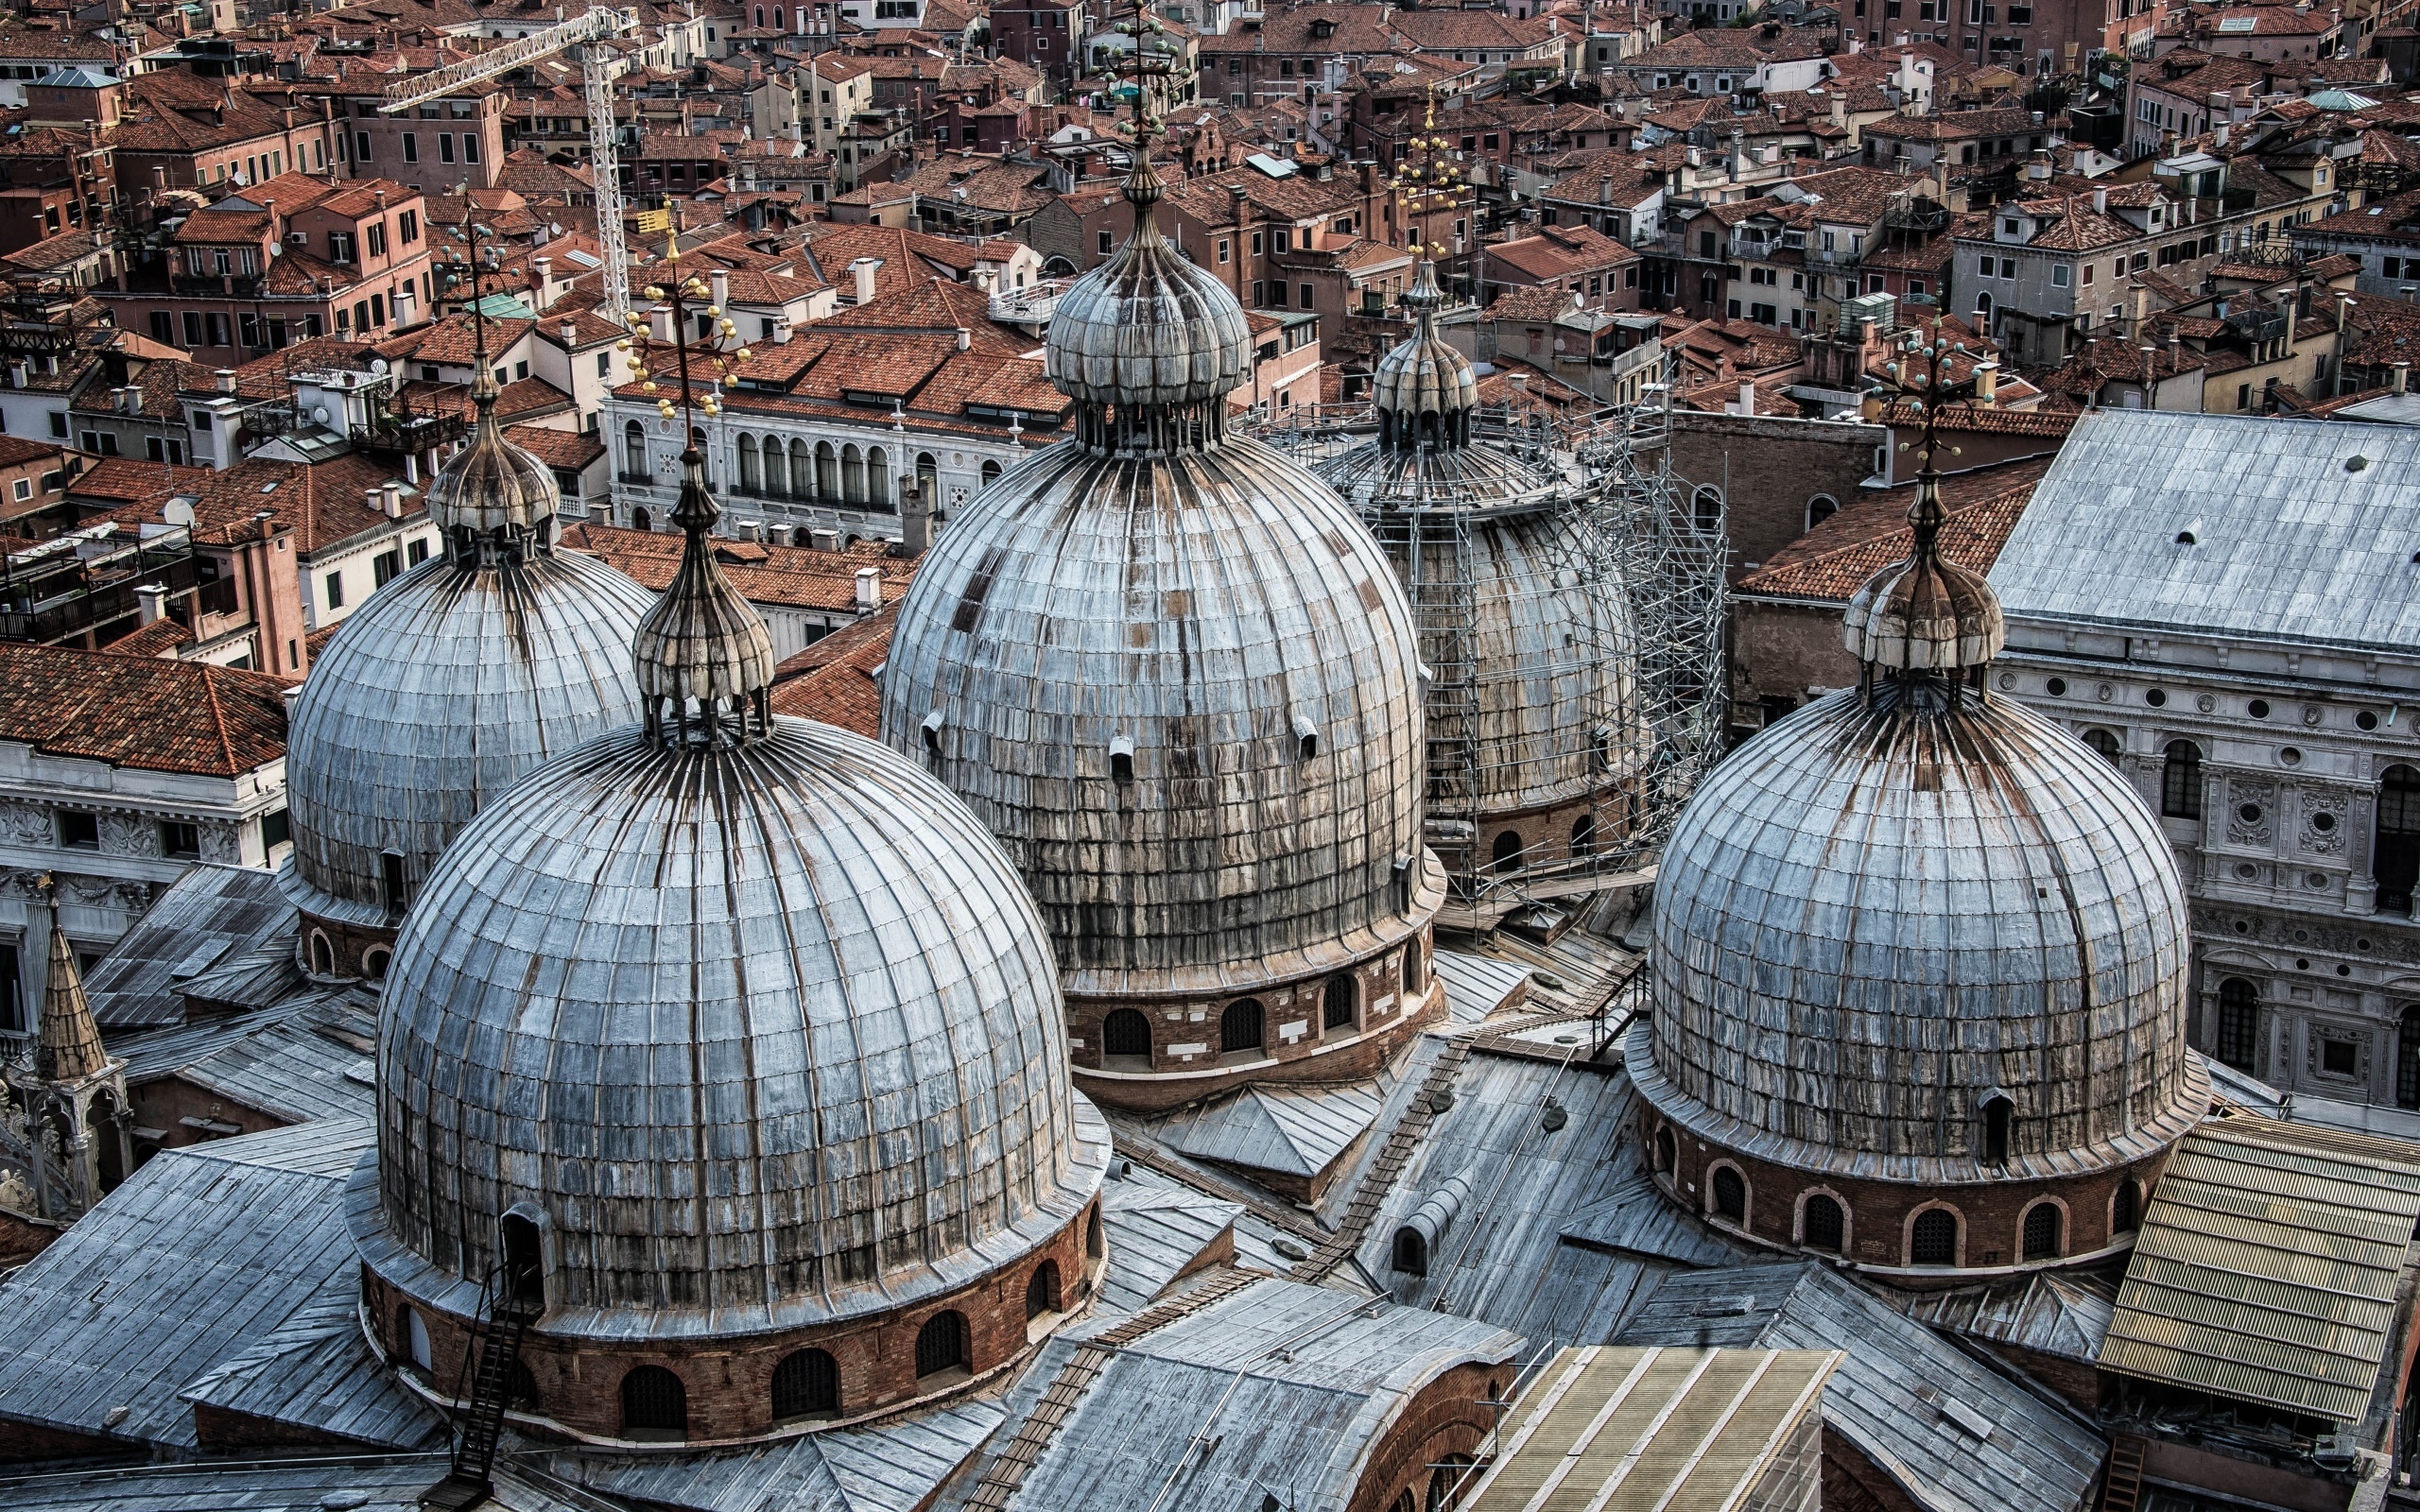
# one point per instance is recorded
(69, 1046)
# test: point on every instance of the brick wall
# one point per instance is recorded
(729, 1380)
(1780, 648)
(1770, 469)
(1186, 1063)
(1448, 1415)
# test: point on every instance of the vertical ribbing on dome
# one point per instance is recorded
(703, 657)
(491, 494)
(69, 1046)
(1925, 614)
(1424, 390)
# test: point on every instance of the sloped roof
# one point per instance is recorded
(205, 918)
(141, 713)
(1294, 1132)
(1954, 1433)
(2291, 544)
(2267, 1266)
(832, 681)
(1871, 532)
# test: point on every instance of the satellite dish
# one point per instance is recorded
(320, 413)
(378, 365)
(178, 513)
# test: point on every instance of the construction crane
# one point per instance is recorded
(598, 67)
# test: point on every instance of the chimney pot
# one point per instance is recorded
(394, 500)
(869, 590)
(226, 377)
(151, 602)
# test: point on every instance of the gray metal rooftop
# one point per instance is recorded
(204, 921)
(308, 1057)
(2302, 530)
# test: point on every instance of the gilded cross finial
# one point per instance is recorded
(699, 340)
(1927, 375)
(1427, 179)
(1149, 55)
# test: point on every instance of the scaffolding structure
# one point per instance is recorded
(1570, 610)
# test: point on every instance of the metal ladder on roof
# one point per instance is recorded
(2121, 1489)
(506, 1313)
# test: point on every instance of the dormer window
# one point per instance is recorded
(2011, 227)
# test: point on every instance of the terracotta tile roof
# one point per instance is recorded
(568, 450)
(1560, 252)
(160, 637)
(1833, 560)
(150, 715)
(791, 576)
(832, 679)
(124, 480)
(321, 501)
(2051, 424)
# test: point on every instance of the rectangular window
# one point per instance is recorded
(2059, 275)
(411, 147)
(2339, 1058)
(275, 830)
(2087, 275)
(1259, 296)
(445, 147)
(1107, 244)
(59, 423)
(418, 551)
(469, 146)
(1223, 251)
(1277, 294)
(361, 146)
(22, 489)
(217, 330)
(163, 327)
(248, 326)
(407, 227)
(2243, 396)
(1307, 300)
(1255, 244)
(80, 832)
(377, 238)
(202, 421)
(180, 842)
(383, 567)
(336, 589)
(155, 449)
(605, 364)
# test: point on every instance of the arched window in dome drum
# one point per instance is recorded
(374, 962)
(1447, 1480)
(1932, 1239)
(1730, 1195)
(752, 478)
(634, 452)
(805, 1384)
(1126, 1034)
(2180, 781)
(828, 471)
(1999, 1122)
(522, 1395)
(525, 1262)
(853, 474)
(2043, 1236)
(1822, 1226)
(1583, 834)
(1668, 1151)
(2105, 742)
(941, 1345)
(2123, 1206)
(2394, 861)
(1507, 852)
(2407, 1059)
(1094, 1246)
(878, 494)
(1416, 972)
(1336, 1002)
(1408, 1501)
(323, 956)
(1240, 1027)
(2239, 1024)
(991, 474)
(655, 1406)
(1042, 1291)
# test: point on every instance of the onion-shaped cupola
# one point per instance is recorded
(496, 654)
(736, 1042)
(1919, 965)
(1176, 675)
(1425, 391)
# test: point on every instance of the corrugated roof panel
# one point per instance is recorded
(2266, 1267)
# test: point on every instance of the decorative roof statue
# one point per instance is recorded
(734, 1042)
(1920, 959)
(1177, 678)
(497, 653)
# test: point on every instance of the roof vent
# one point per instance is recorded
(2355, 464)
(1740, 1306)
(1306, 736)
(932, 728)
(2191, 534)
(1121, 758)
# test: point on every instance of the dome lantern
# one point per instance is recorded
(1426, 392)
(492, 498)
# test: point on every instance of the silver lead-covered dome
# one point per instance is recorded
(1909, 902)
(493, 485)
(443, 689)
(1172, 672)
(749, 1017)
(1423, 386)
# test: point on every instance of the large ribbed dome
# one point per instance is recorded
(448, 686)
(1882, 911)
(1183, 690)
(751, 1019)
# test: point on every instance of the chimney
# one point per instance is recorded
(2402, 382)
(862, 271)
(2100, 201)
(869, 590)
(18, 371)
(2038, 169)
(375, 499)
(1840, 109)
(965, 339)
(1747, 396)
(226, 377)
(719, 282)
(150, 603)
(915, 521)
(824, 539)
(1987, 382)
(393, 507)
(780, 330)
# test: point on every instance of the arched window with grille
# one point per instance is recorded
(1824, 1223)
(805, 1384)
(2180, 781)
(2108, 745)
(1240, 1027)
(1336, 1002)
(827, 472)
(1706, 508)
(655, 1406)
(2239, 1024)
(2394, 861)
(941, 1345)
(1730, 1195)
(991, 474)
(2124, 1209)
(634, 449)
(1932, 1239)
(2045, 1232)
(751, 477)
(1125, 1037)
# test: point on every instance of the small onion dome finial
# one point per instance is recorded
(1424, 390)
(703, 657)
(1925, 613)
(491, 484)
